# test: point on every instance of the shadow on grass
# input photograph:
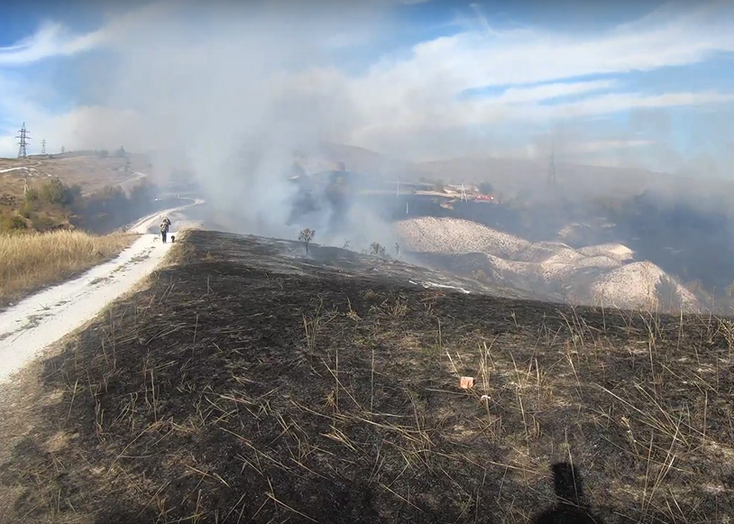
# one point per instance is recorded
(571, 508)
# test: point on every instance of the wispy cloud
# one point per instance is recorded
(52, 39)
(503, 57)
(536, 55)
(185, 78)
(550, 91)
(612, 103)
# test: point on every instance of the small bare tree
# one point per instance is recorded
(306, 236)
(378, 250)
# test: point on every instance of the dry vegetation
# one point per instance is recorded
(90, 171)
(30, 261)
(245, 387)
(83, 175)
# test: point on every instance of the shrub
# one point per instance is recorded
(9, 223)
(28, 207)
(42, 223)
(378, 250)
(57, 193)
(306, 236)
(32, 195)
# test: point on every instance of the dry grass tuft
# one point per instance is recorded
(29, 262)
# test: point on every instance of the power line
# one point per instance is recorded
(23, 139)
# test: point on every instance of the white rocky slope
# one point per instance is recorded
(594, 275)
(637, 283)
(448, 235)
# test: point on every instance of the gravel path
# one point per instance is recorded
(27, 328)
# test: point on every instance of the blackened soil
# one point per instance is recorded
(249, 383)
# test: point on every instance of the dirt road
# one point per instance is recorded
(30, 326)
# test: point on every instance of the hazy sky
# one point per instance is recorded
(617, 83)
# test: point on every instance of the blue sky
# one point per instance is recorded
(618, 83)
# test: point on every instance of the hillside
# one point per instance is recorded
(58, 185)
(363, 160)
(509, 175)
(593, 275)
(250, 383)
(90, 172)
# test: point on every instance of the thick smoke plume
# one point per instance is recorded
(231, 92)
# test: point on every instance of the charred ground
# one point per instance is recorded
(249, 383)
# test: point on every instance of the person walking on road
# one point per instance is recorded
(164, 229)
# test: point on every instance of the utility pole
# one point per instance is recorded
(23, 139)
(43, 146)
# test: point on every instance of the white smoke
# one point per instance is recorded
(232, 92)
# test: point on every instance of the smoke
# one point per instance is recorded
(232, 92)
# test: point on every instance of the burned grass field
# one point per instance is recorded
(249, 385)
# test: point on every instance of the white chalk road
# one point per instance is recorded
(30, 326)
